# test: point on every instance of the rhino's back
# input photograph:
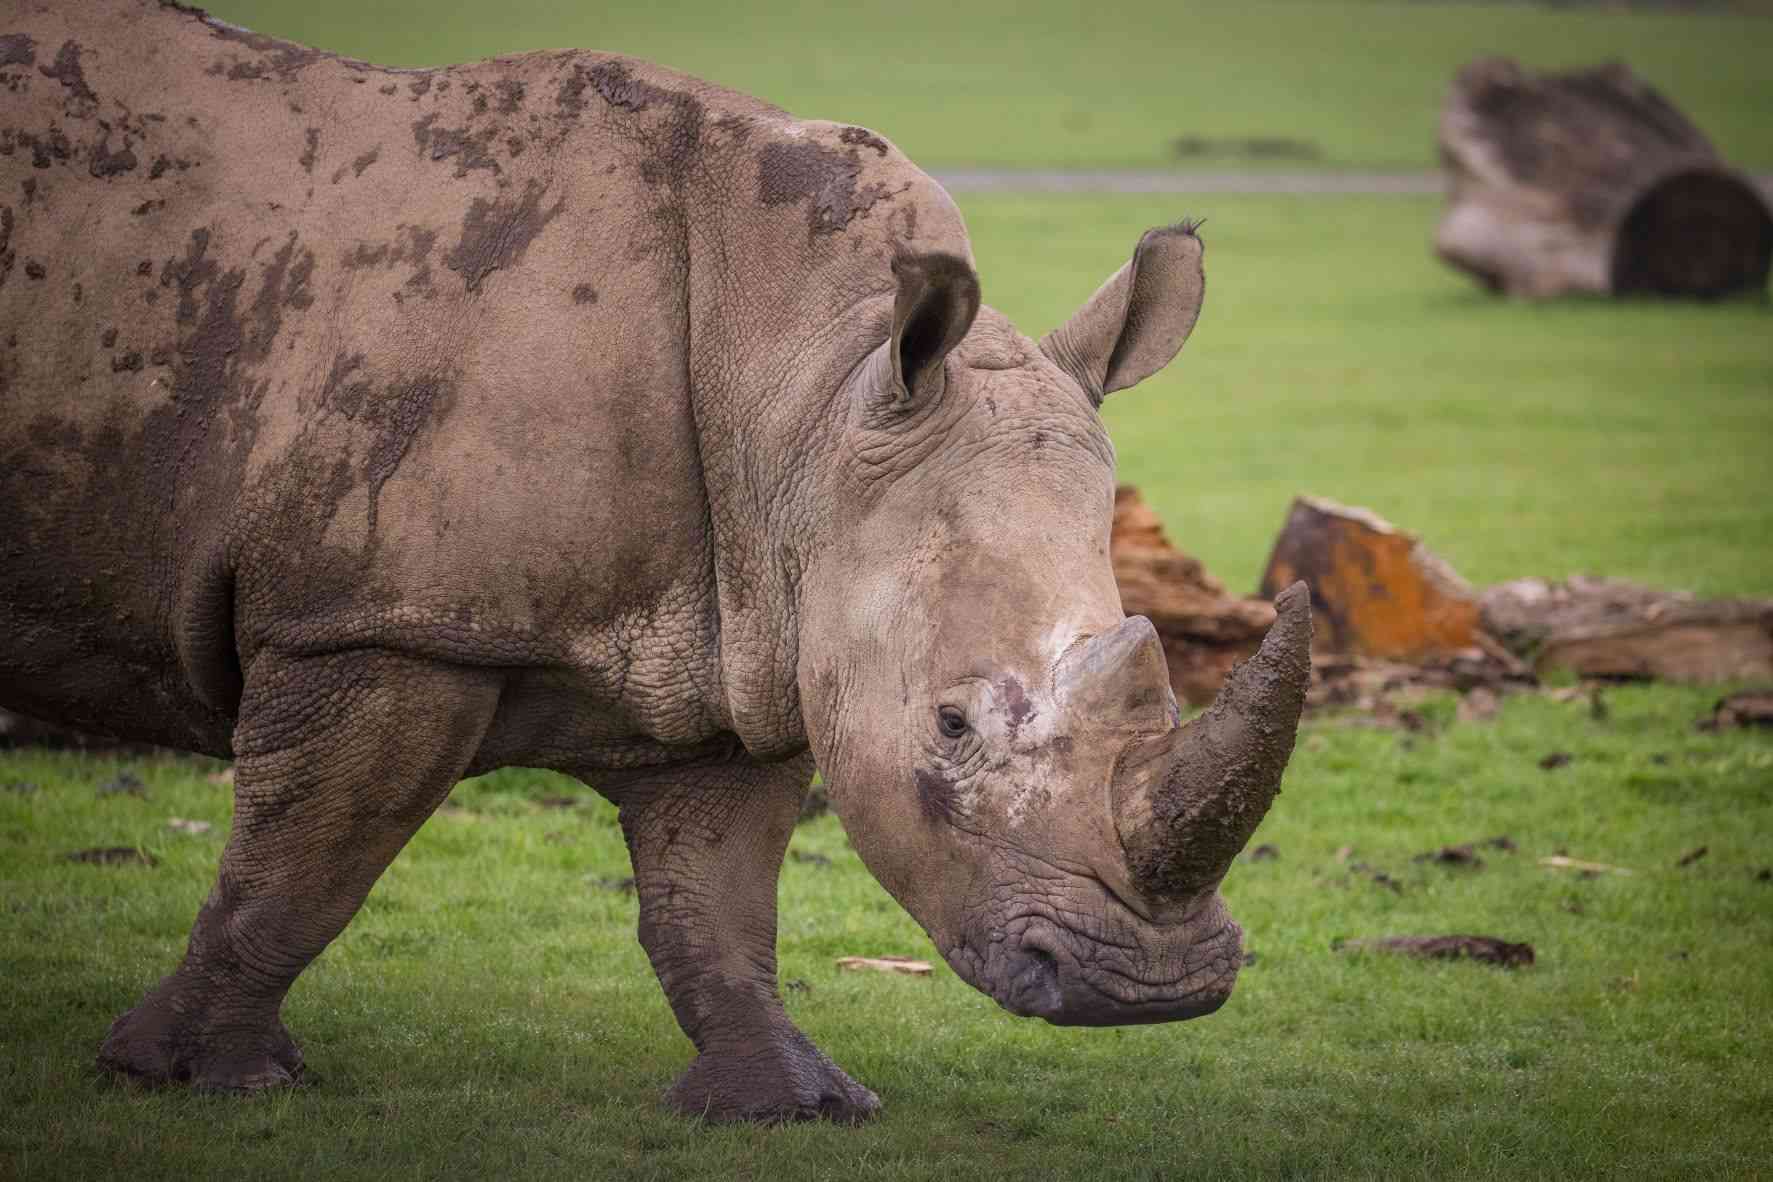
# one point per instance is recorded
(298, 344)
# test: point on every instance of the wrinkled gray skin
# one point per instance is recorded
(377, 428)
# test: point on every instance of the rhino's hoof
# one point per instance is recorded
(157, 1045)
(782, 1083)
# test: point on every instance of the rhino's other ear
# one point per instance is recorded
(938, 298)
(1138, 320)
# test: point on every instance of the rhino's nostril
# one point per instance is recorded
(1034, 982)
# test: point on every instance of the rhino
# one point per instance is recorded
(375, 428)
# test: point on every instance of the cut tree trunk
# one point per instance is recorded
(1376, 591)
(1204, 630)
(1591, 182)
(1614, 629)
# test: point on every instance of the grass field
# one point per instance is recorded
(1026, 83)
(489, 1014)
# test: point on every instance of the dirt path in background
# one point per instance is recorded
(1004, 180)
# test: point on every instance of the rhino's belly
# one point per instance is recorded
(66, 671)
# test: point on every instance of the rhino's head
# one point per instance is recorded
(999, 739)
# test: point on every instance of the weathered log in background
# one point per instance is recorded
(1591, 182)
(1609, 628)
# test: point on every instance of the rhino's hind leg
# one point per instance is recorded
(707, 847)
(339, 759)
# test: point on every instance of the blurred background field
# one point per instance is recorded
(1051, 83)
(490, 1013)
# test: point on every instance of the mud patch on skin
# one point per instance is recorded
(1018, 710)
(67, 71)
(441, 143)
(861, 137)
(106, 163)
(674, 147)
(285, 285)
(935, 796)
(619, 88)
(17, 49)
(311, 152)
(571, 96)
(7, 255)
(358, 166)
(412, 244)
(495, 234)
(285, 59)
(797, 171)
(51, 147)
(164, 164)
(398, 417)
(584, 293)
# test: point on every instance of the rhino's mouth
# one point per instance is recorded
(1036, 966)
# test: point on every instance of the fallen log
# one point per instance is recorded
(1751, 707)
(1609, 628)
(1591, 182)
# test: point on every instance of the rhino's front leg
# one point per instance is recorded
(339, 759)
(707, 846)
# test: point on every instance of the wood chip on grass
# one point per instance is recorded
(885, 964)
(1560, 862)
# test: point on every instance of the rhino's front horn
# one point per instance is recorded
(1186, 802)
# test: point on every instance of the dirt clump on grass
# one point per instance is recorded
(1488, 949)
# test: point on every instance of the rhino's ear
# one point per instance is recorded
(1138, 320)
(937, 300)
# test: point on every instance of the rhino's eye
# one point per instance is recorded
(951, 722)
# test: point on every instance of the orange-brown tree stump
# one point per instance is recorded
(1376, 591)
(1591, 182)
(1204, 630)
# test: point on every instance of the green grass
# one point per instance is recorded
(489, 1013)
(1336, 357)
(1049, 83)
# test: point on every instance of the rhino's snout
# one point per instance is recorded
(1039, 976)
(1032, 989)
